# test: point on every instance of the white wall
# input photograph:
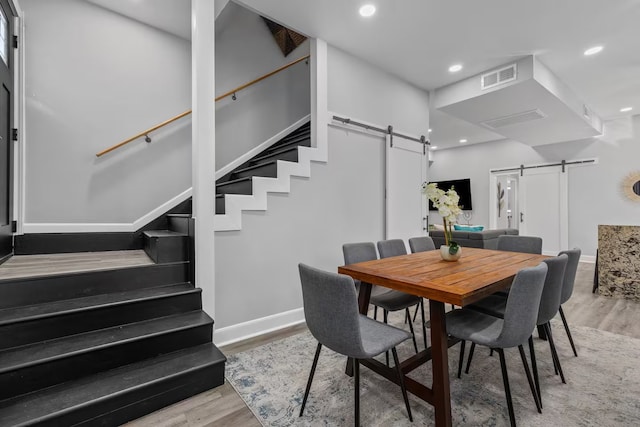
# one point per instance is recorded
(245, 50)
(94, 78)
(361, 91)
(256, 268)
(595, 195)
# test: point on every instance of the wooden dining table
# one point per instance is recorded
(478, 273)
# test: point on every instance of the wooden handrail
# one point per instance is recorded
(186, 113)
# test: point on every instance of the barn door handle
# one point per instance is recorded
(521, 217)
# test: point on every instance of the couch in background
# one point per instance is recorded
(486, 239)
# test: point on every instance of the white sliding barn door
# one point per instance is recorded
(544, 207)
(405, 205)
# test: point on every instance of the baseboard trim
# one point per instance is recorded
(253, 328)
(35, 228)
(591, 259)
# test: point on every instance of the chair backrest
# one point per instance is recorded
(527, 244)
(359, 252)
(393, 247)
(421, 244)
(550, 300)
(521, 312)
(570, 273)
(331, 310)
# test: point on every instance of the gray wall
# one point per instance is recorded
(256, 268)
(364, 92)
(245, 50)
(94, 78)
(595, 195)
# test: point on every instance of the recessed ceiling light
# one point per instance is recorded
(593, 50)
(462, 141)
(625, 109)
(455, 68)
(429, 130)
(367, 10)
(434, 147)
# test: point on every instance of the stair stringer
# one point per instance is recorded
(235, 204)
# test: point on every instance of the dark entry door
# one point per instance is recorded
(6, 121)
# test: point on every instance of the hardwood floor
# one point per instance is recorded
(39, 265)
(224, 407)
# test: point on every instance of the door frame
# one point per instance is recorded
(493, 193)
(564, 190)
(19, 119)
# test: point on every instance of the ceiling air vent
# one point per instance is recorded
(525, 116)
(498, 77)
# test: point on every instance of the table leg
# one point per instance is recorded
(440, 364)
(363, 306)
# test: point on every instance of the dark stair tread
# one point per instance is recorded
(45, 351)
(256, 166)
(46, 404)
(274, 153)
(163, 233)
(38, 311)
(302, 139)
(234, 181)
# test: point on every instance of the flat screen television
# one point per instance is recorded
(462, 187)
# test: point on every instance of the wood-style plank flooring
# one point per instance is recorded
(39, 265)
(224, 407)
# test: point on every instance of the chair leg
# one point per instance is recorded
(554, 353)
(534, 390)
(413, 334)
(461, 358)
(507, 390)
(386, 318)
(313, 371)
(356, 396)
(424, 328)
(375, 312)
(473, 347)
(534, 367)
(415, 313)
(401, 380)
(566, 328)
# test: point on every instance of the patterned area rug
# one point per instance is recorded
(603, 385)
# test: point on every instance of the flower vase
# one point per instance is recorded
(447, 256)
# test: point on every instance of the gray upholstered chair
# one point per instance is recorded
(331, 311)
(396, 247)
(515, 243)
(421, 244)
(513, 330)
(495, 305)
(567, 288)
(387, 299)
(528, 244)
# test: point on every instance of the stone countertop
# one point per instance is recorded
(619, 261)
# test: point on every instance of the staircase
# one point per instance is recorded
(107, 346)
(265, 164)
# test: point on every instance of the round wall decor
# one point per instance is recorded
(631, 186)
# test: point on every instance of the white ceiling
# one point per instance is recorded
(418, 40)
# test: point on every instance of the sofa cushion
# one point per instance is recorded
(486, 234)
(468, 227)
